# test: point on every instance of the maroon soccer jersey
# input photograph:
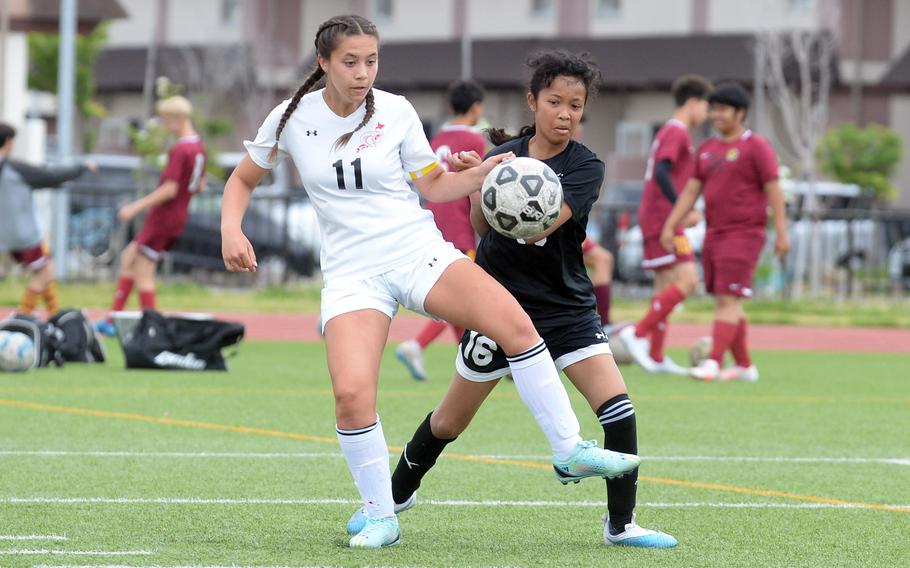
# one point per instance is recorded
(734, 175)
(673, 143)
(186, 167)
(454, 218)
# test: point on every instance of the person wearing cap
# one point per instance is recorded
(736, 172)
(167, 205)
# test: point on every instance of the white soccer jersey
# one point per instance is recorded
(370, 218)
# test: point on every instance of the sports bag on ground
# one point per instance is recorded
(45, 336)
(160, 342)
(80, 341)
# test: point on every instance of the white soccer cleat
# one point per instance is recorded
(634, 535)
(359, 519)
(669, 367)
(377, 533)
(747, 374)
(638, 348)
(410, 353)
(707, 370)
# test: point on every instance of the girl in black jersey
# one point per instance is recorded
(547, 276)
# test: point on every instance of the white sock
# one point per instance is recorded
(539, 387)
(368, 459)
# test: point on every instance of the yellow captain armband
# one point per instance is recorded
(423, 171)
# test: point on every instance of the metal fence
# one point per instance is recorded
(281, 226)
(852, 254)
(855, 253)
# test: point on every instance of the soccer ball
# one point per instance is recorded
(521, 198)
(701, 350)
(621, 355)
(17, 351)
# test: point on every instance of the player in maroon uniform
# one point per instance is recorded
(670, 166)
(453, 218)
(183, 176)
(737, 173)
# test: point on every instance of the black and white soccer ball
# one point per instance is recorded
(521, 198)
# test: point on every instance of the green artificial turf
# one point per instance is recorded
(241, 468)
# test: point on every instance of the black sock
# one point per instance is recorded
(418, 457)
(617, 416)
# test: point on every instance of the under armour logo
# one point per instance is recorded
(432, 263)
(404, 454)
(600, 335)
(311, 133)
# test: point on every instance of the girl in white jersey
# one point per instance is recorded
(354, 146)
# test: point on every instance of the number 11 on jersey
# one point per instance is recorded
(358, 174)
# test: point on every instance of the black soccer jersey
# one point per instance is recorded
(550, 281)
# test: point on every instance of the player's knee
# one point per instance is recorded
(448, 426)
(519, 335)
(352, 404)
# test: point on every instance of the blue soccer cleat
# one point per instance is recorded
(359, 519)
(105, 327)
(591, 461)
(634, 535)
(377, 533)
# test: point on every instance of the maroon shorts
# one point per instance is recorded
(656, 257)
(729, 262)
(34, 258)
(154, 240)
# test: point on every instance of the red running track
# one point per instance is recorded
(302, 327)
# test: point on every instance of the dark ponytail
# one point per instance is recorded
(546, 66)
(327, 37)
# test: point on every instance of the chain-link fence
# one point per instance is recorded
(844, 253)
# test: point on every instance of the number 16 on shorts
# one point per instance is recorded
(480, 358)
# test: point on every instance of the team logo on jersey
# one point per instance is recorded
(371, 138)
(732, 154)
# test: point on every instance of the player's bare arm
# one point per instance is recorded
(438, 186)
(565, 213)
(478, 221)
(164, 192)
(779, 209)
(684, 204)
(235, 247)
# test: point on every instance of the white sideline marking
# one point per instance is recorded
(32, 537)
(319, 455)
(76, 552)
(435, 502)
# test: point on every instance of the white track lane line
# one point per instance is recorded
(337, 455)
(32, 537)
(434, 502)
(76, 552)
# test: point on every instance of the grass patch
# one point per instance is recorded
(807, 405)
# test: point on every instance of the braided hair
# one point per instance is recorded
(327, 37)
(546, 66)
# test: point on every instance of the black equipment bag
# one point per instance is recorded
(45, 336)
(161, 342)
(80, 341)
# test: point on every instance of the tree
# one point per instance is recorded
(44, 50)
(864, 156)
(803, 103)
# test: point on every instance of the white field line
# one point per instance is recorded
(434, 502)
(337, 455)
(32, 537)
(208, 566)
(76, 552)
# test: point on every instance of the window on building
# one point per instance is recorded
(801, 6)
(609, 8)
(541, 7)
(230, 12)
(383, 9)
